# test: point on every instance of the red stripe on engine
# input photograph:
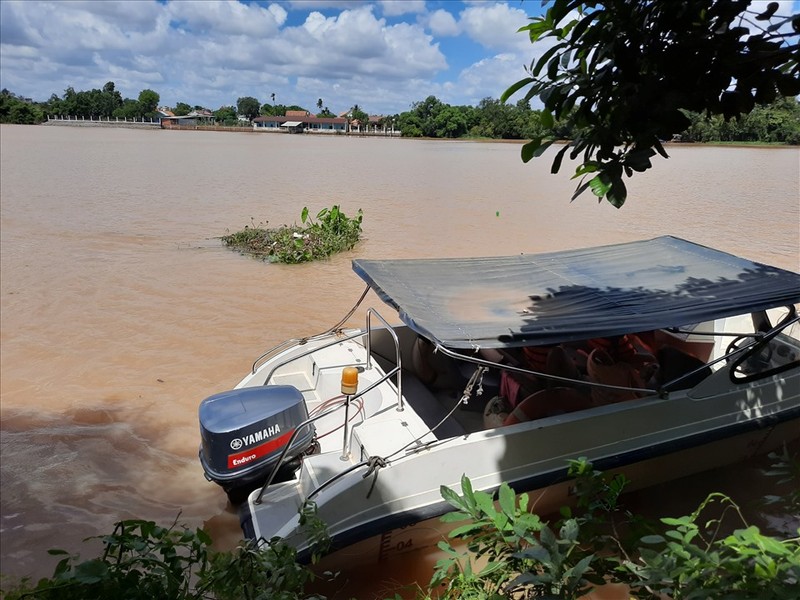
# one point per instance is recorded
(241, 459)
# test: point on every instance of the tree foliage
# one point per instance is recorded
(278, 110)
(248, 107)
(182, 109)
(623, 73)
(148, 100)
(226, 115)
(14, 109)
(360, 116)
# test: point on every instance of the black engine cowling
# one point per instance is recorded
(244, 431)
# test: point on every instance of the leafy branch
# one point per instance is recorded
(623, 73)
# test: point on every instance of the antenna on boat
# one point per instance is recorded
(349, 388)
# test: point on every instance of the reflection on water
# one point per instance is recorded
(120, 311)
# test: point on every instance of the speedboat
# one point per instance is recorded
(657, 358)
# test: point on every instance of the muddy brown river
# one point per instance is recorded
(121, 310)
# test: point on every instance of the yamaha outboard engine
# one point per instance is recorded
(244, 432)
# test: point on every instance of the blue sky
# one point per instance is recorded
(382, 55)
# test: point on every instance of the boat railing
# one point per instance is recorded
(396, 370)
(491, 364)
(398, 355)
(310, 420)
(283, 346)
(335, 330)
(370, 313)
(338, 340)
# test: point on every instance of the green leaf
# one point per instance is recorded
(445, 547)
(569, 530)
(545, 58)
(452, 498)
(529, 148)
(465, 530)
(599, 188)
(506, 499)
(558, 159)
(546, 119)
(91, 571)
(490, 568)
(546, 143)
(652, 539)
(587, 167)
(515, 88)
(537, 553)
(485, 503)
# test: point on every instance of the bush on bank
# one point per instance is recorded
(332, 232)
(520, 555)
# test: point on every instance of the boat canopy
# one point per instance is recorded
(538, 299)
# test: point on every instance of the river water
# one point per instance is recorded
(121, 310)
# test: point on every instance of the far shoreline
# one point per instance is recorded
(249, 130)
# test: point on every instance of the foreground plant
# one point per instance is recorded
(142, 560)
(689, 560)
(522, 556)
(332, 232)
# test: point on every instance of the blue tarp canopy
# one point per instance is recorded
(507, 301)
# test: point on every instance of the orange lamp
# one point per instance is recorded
(349, 380)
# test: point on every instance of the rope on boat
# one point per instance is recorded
(373, 465)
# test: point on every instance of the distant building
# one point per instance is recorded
(299, 120)
(194, 118)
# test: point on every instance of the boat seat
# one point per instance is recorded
(428, 407)
(424, 402)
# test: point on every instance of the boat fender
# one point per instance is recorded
(547, 403)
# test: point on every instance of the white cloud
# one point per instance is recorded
(442, 23)
(221, 17)
(211, 53)
(325, 4)
(495, 26)
(490, 77)
(279, 13)
(395, 8)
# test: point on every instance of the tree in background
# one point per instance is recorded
(357, 114)
(14, 109)
(130, 109)
(622, 75)
(182, 109)
(319, 104)
(248, 107)
(226, 115)
(148, 101)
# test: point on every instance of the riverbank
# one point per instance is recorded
(99, 123)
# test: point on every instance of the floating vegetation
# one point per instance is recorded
(331, 232)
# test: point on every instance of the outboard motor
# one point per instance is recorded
(244, 431)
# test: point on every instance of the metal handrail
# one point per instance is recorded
(311, 351)
(286, 344)
(385, 377)
(489, 363)
(398, 356)
(308, 422)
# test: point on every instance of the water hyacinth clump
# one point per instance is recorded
(331, 232)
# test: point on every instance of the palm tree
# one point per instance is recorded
(319, 104)
(273, 97)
